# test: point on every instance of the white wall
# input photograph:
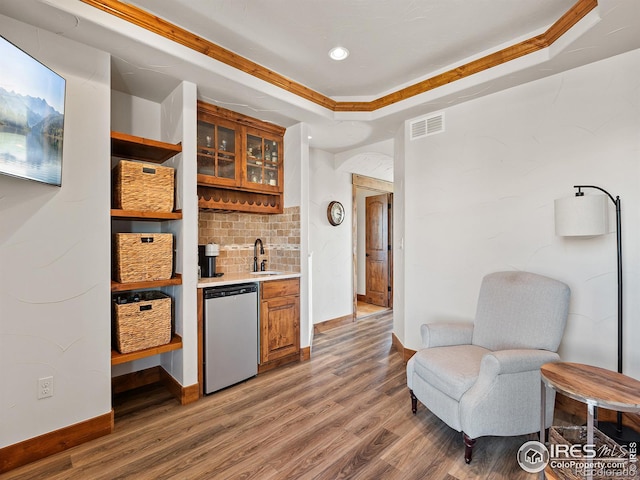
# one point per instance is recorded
(373, 160)
(399, 291)
(296, 193)
(331, 247)
(178, 121)
(55, 258)
(479, 198)
(135, 115)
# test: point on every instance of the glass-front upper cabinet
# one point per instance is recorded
(238, 153)
(217, 153)
(263, 160)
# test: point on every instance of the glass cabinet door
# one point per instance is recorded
(263, 156)
(216, 150)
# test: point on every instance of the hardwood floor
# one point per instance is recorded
(344, 414)
(364, 309)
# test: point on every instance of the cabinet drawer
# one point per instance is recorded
(280, 288)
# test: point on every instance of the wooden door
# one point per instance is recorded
(377, 250)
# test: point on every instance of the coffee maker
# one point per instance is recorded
(207, 260)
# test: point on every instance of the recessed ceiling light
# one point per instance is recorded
(338, 53)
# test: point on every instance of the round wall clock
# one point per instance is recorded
(335, 213)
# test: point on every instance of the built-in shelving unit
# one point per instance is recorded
(127, 287)
(118, 358)
(137, 215)
(130, 147)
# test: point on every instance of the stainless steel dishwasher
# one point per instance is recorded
(230, 335)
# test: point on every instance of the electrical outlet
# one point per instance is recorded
(45, 387)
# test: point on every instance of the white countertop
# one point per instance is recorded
(235, 278)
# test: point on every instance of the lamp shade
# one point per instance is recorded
(584, 215)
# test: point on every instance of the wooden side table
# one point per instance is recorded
(594, 386)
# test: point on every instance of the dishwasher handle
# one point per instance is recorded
(230, 290)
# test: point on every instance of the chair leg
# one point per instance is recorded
(469, 443)
(414, 402)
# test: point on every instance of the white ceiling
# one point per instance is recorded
(392, 43)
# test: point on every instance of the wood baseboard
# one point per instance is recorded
(184, 395)
(265, 367)
(133, 380)
(333, 323)
(27, 451)
(361, 298)
(157, 374)
(305, 354)
(405, 353)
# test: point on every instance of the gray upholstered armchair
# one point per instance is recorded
(483, 378)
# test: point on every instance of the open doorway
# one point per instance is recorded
(373, 257)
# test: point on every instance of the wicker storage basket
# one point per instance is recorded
(143, 187)
(140, 257)
(578, 436)
(141, 320)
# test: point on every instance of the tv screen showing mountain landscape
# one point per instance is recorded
(31, 117)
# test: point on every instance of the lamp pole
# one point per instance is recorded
(615, 431)
(616, 202)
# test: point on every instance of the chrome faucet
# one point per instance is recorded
(255, 253)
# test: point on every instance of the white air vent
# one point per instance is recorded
(426, 126)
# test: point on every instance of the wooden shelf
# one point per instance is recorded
(227, 200)
(139, 148)
(118, 358)
(137, 215)
(211, 181)
(255, 188)
(125, 287)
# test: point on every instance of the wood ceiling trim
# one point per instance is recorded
(157, 25)
(539, 42)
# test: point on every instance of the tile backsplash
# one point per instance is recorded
(237, 232)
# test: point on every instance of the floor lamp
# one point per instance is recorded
(587, 216)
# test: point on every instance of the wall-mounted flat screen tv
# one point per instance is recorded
(31, 117)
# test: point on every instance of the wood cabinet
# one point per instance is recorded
(124, 146)
(240, 162)
(279, 322)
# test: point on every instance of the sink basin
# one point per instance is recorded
(267, 272)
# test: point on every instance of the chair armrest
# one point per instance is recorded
(446, 334)
(505, 400)
(515, 361)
